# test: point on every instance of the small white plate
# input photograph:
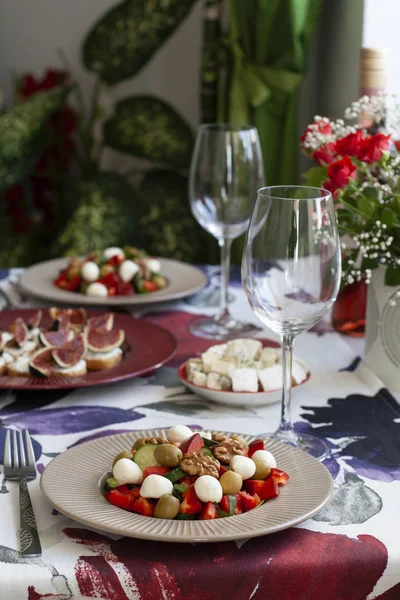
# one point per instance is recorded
(246, 399)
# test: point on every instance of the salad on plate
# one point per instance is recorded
(193, 476)
(112, 272)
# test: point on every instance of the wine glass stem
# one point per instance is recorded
(285, 426)
(225, 245)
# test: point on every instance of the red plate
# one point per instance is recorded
(146, 347)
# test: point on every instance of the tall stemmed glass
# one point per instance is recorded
(291, 274)
(225, 174)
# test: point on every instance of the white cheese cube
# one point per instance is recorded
(271, 378)
(299, 372)
(212, 362)
(219, 349)
(270, 356)
(244, 350)
(214, 381)
(244, 380)
(226, 383)
(192, 366)
(199, 378)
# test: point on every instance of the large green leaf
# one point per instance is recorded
(22, 135)
(166, 226)
(126, 37)
(103, 215)
(149, 128)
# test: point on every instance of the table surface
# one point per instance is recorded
(349, 551)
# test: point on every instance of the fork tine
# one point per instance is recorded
(22, 461)
(15, 459)
(29, 449)
(7, 451)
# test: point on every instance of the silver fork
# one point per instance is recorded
(20, 466)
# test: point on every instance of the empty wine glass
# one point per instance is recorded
(225, 174)
(291, 274)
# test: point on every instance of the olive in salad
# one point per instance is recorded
(112, 272)
(193, 476)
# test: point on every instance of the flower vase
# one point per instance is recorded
(349, 310)
(382, 336)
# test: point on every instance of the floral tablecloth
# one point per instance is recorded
(349, 551)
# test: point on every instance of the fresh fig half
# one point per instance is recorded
(19, 331)
(62, 323)
(101, 340)
(55, 312)
(34, 321)
(77, 316)
(55, 338)
(42, 364)
(105, 321)
(71, 353)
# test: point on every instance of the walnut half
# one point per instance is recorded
(197, 464)
(227, 449)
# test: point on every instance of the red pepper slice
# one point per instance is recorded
(155, 471)
(249, 501)
(149, 286)
(209, 512)
(143, 506)
(254, 446)
(280, 476)
(190, 504)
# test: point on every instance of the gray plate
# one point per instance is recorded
(71, 483)
(183, 280)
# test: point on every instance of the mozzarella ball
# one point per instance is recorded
(155, 486)
(127, 270)
(90, 271)
(178, 433)
(206, 435)
(113, 251)
(208, 489)
(97, 289)
(265, 456)
(243, 465)
(127, 471)
(154, 265)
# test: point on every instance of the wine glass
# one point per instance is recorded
(226, 172)
(291, 273)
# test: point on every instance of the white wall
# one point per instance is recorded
(32, 30)
(381, 30)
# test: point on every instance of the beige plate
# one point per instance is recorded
(183, 280)
(71, 483)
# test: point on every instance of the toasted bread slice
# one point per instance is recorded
(96, 361)
(78, 369)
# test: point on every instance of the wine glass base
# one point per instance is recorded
(221, 329)
(309, 443)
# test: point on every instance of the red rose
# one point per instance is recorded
(341, 171)
(28, 86)
(52, 78)
(326, 154)
(350, 145)
(373, 148)
(327, 185)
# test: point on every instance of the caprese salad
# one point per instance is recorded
(112, 272)
(193, 475)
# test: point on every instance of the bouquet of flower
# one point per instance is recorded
(363, 173)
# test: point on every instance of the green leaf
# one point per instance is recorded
(232, 506)
(103, 214)
(128, 35)
(392, 275)
(150, 128)
(315, 176)
(166, 226)
(22, 135)
(366, 205)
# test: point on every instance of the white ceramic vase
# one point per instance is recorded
(382, 334)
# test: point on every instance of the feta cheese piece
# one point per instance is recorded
(155, 486)
(212, 362)
(214, 381)
(270, 356)
(192, 366)
(218, 349)
(244, 350)
(199, 378)
(299, 372)
(271, 378)
(208, 489)
(244, 380)
(226, 383)
(127, 471)
(245, 466)
(178, 433)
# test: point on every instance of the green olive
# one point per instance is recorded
(168, 455)
(167, 507)
(242, 441)
(263, 469)
(123, 454)
(139, 443)
(231, 482)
